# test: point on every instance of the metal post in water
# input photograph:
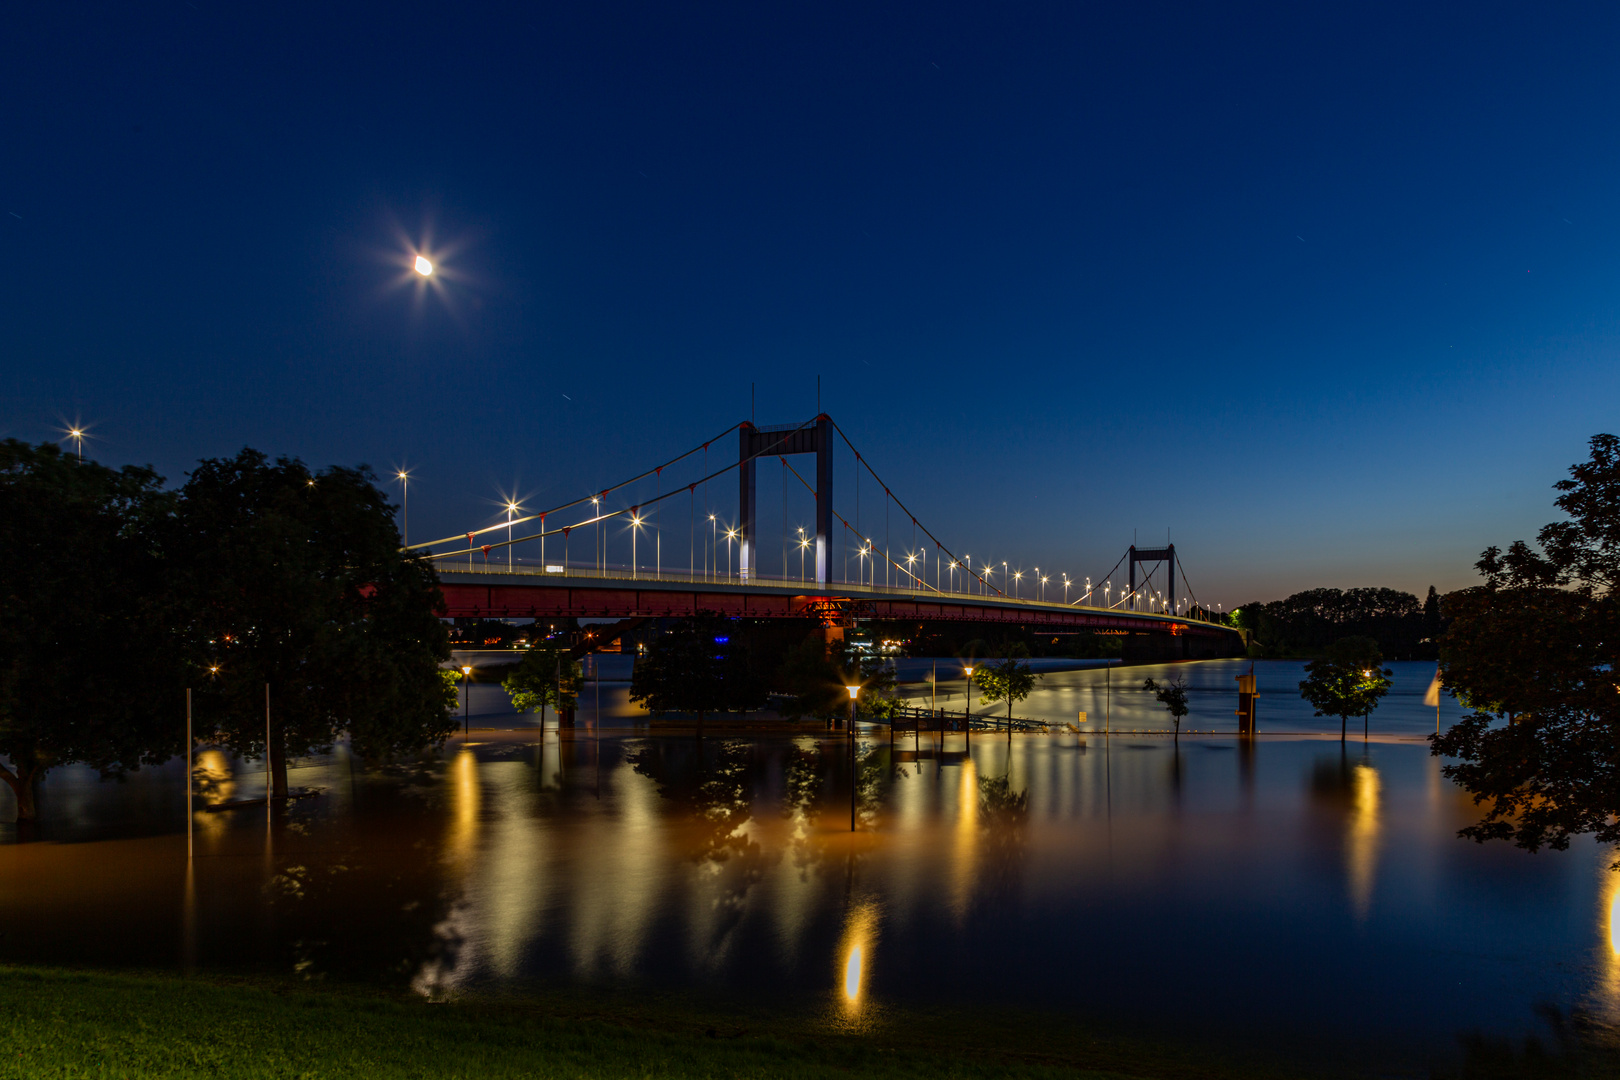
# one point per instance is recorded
(190, 847)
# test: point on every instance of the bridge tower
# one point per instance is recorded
(1165, 554)
(780, 441)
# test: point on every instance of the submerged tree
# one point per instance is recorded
(696, 666)
(544, 677)
(1535, 653)
(295, 581)
(1348, 681)
(1173, 696)
(88, 669)
(1008, 679)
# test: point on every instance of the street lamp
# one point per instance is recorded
(423, 267)
(967, 718)
(1043, 588)
(466, 702)
(404, 479)
(804, 545)
(511, 508)
(1065, 588)
(635, 527)
(1018, 576)
(854, 696)
(731, 534)
(596, 512)
(77, 435)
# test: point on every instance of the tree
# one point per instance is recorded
(1173, 696)
(295, 580)
(540, 679)
(88, 671)
(1008, 679)
(1534, 652)
(695, 667)
(809, 676)
(876, 677)
(1348, 681)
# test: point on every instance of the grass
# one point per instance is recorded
(77, 1024)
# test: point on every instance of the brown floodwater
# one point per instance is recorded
(1287, 891)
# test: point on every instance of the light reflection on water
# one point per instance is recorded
(1289, 887)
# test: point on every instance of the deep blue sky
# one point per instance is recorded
(1327, 290)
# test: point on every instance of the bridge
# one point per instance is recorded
(847, 571)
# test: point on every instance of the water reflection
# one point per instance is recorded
(1352, 790)
(1026, 870)
(1361, 844)
(855, 950)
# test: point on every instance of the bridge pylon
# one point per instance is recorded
(783, 440)
(1166, 554)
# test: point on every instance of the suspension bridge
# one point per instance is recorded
(849, 567)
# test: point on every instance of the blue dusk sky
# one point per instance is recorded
(1327, 291)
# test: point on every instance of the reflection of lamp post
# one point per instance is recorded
(854, 779)
(466, 703)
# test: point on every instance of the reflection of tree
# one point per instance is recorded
(359, 903)
(715, 783)
(1003, 814)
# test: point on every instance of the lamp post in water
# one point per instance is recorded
(967, 713)
(466, 703)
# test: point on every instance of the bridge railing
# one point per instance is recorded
(562, 573)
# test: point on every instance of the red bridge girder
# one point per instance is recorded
(614, 600)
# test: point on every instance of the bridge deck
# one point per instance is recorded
(529, 592)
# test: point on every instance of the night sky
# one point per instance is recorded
(1326, 290)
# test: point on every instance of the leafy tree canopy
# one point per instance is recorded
(698, 666)
(1535, 652)
(1008, 678)
(543, 677)
(1309, 621)
(88, 669)
(296, 580)
(1173, 696)
(1348, 681)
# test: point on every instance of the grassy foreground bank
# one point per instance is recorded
(62, 1024)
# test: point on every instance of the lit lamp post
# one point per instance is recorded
(854, 698)
(596, 512)
(967, 714)
(466, 703)
(77, 435)
(404, 479)
(511, 508)
(635, 527)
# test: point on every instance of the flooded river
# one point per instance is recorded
(1288, 890)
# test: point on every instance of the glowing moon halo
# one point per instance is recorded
(423, 267)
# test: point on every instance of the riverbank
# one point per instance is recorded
(63, 1024)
